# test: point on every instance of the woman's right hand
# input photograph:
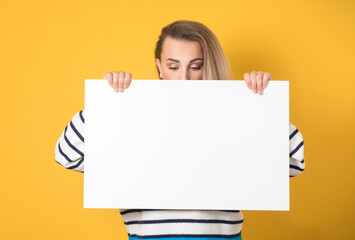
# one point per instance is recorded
(119, 81)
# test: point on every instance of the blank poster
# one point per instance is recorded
(186, 144)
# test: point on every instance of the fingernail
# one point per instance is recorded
(121, 89)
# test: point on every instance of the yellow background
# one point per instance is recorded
(48, 48)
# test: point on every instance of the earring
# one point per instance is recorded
(160, 75)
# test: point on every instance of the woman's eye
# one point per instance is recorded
(173, 68)
(195, 68)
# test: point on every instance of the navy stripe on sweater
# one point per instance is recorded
(186, 235)
(63, 154)
(294, 133)
(76, 131)
(296, 167)
(78, 164)
(71, 145)
(184, 221)
(296, 149)
(81, 116)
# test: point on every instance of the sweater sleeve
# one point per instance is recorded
(69, 149)
(296, 148)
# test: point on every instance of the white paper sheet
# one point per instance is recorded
(186, 144)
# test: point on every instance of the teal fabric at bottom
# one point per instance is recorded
(186, 238)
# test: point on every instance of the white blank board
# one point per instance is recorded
(186, 144)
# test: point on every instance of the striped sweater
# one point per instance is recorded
(169, 224)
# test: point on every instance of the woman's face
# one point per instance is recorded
(180, 60)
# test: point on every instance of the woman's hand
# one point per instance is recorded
(257, 81)
(119, 81)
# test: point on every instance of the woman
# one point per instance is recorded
(186, 50)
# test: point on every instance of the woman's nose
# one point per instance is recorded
(184, 75)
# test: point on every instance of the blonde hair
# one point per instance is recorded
(215, 64)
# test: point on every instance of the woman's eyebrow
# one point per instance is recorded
(175, 60)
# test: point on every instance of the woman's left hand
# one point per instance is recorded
(257, 81)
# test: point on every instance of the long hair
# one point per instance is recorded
(215, 64)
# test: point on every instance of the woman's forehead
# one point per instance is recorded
(180, 49)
